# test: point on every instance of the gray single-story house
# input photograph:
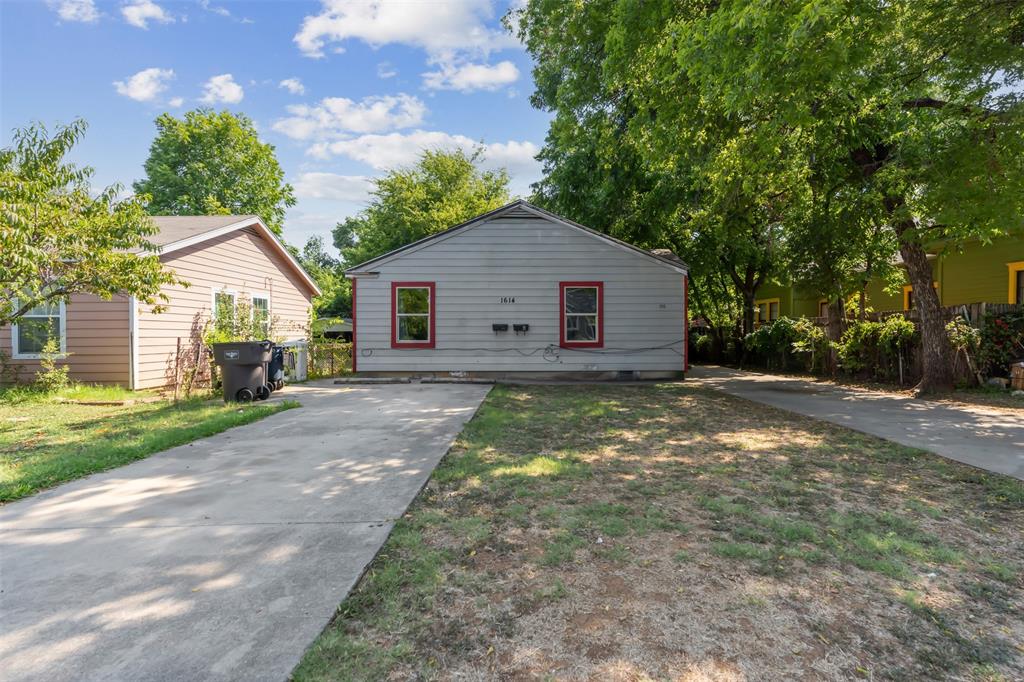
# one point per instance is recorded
(520, 292)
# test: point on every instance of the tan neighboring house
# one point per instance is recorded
(225, 260)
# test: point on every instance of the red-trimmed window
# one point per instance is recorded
(581, 307)
(412, 314)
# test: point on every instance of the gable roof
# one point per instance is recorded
(174, 228)
(519, 208)
(180, 232)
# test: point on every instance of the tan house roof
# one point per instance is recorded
(174, 228)
(179, 232)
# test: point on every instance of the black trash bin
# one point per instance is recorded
(275, 368)
(243, 369)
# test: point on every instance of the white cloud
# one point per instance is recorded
(222, 11)
(334, 117)
(140, 12)
(176, 101)
(145, 85)
(469, 77)
(76, 10)
(333, 186)
(293, 85)
(385, 70)
(384, 152)
(222, 88)
(442, 29)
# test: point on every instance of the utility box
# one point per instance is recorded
(1017, 376)
(296, 360)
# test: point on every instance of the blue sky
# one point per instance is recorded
(344, 89)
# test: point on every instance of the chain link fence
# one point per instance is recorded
(329, 359)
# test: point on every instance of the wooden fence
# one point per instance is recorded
(329, 359)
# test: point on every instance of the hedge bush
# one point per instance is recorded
(873, 350)
(1002, 342)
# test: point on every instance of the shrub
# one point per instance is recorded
(772, 344)
(53, 378)
(811, 345)
(238, 323)
(875, 349)
(1001, 343)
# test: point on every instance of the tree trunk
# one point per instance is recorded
(834, 331)
(936, 353)
(748, 311)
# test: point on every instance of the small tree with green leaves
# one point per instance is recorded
(58, 239)
(443, 188)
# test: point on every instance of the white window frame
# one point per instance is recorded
(213, 300)
(264, 295)
(16, 353)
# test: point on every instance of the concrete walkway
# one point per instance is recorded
(224, 559)
(986, 438)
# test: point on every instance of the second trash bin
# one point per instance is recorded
(243, 369)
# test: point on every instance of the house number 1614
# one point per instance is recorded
(507, 299)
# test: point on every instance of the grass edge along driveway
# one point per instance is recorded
(668, 531)
(44, 443)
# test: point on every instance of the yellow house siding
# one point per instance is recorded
(241, 261)
(979, 274)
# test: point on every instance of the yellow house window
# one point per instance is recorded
(1016, 294)
(767, 310)
(908, 295)
(822, 307)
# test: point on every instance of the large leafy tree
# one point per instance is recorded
(58, 239)
(613, 163)
(912, 103)
(444, 188)
(211, 162)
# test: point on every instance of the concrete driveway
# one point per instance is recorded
(220, 560)
(990, 439)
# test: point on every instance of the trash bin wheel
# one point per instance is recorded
(244, 395)
(262, 392)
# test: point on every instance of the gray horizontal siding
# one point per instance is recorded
(525, 259)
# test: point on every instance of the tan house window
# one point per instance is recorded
(224, 304)
(261, 312)
(36, 327)
(1016, 294)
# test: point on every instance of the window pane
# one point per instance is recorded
(773, 311)
(581, 328)
(225, 305)
(261, 313)
(1020, 287)
(581, 300)
(762, 312)
(415, 328)
(33, 332)
(413, 300)
(51, 308)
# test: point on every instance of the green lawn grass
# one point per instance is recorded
(45, 442)
(673, 532)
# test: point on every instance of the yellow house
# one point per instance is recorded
(976, 273)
